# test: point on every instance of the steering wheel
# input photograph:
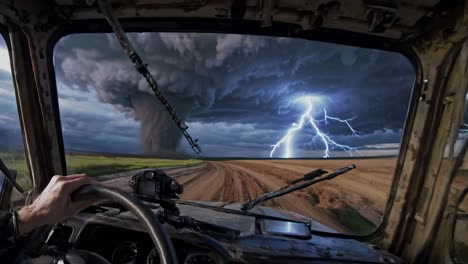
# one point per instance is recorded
(147, 217)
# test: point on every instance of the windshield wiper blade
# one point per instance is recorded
(294, 186)
(143, 69)
(310, 176)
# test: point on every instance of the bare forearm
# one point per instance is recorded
(28, 219)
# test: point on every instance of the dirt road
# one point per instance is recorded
(363, 189)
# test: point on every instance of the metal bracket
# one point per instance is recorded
(380, 18)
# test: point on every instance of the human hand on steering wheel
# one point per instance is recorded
(65, 196)
(54, 203)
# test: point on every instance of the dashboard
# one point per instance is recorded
(118, 236)
(119, 246)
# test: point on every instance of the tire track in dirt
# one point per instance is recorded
(120, 180)
(363, 189)
(225, 184)
(298, 202)
(226, 181)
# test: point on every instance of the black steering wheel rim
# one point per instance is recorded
(147, 217)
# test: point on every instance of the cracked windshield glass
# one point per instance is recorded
(265, 110)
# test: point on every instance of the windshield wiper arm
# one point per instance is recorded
(311, 179)
(309, 176)
(143, 69)
(10, 178)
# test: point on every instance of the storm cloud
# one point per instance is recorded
(238, 81)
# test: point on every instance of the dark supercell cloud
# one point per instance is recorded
(230, 88)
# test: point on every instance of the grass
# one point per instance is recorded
(102, 165)
(353, 220)
(97, 165)
(93, 165)
(17, 161)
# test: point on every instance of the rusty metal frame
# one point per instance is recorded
(410, 235)
(321, 35)
(32, 113)
(417, 142)
(31, 91)
(4, 195)
(40, 120)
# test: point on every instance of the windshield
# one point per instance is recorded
(266, 110)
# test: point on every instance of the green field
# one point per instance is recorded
(353, 220)
(93, 165)
(103, 165)
(17, 161)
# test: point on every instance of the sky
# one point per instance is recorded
(10, 132)
(238, 94)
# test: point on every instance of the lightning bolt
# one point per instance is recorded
(308, 118)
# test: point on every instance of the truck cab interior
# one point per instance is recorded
(184, 109)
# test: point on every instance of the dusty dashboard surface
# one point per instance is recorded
(118, 236)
